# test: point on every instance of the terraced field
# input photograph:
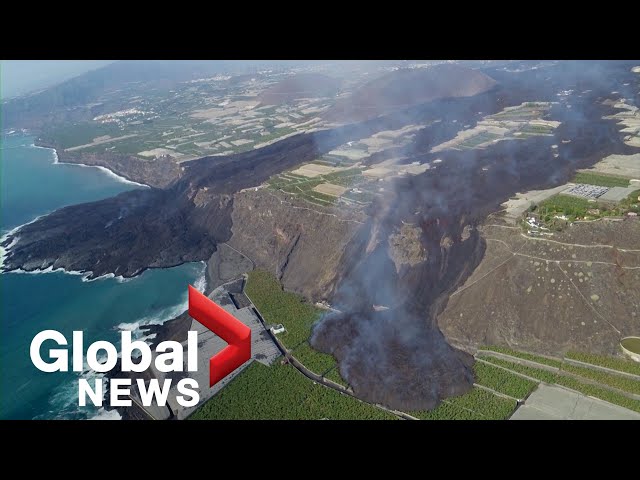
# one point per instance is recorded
(613, 363)
(524, 355)
(277, 306)
(601, 179)
(303, 186)
(282, 392)
(503, 381)
(482, 137)
(297, 316)
(478, 404)
(619, 389)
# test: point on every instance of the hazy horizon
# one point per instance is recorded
(20, 77)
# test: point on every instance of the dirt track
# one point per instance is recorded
(577, 290)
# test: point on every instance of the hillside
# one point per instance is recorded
(309, 85)
(416, 239)
(575, 291)
(69, 100)
(81, 98)
(408, 87)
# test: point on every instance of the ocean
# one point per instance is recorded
(32, 184)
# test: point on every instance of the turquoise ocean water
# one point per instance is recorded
(32, 184)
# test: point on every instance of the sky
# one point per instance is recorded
(18, 77)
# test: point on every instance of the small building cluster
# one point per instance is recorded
(535, 228)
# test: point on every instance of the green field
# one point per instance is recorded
(447, 411)
(334, 376)
(71, 135)
(502, 381)
(297, 316)
(273, 134)
(576, 208)
(581, 384)
(528, 111)
(600, 179)
(477, 404)
(620, 382)
(517, 115)
(537, 373)
(530, 130)
(167, 121)
(319, 197)
(315, 361)
(598, 392)
(573, 208)
(526, 356)
(278, 306)
(334, 161)
(565, 204)
(303, 187)
(476, 140)
(629, 204)
(351, 172)
(281, 392)
(614, 363)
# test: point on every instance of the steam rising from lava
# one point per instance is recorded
(398, 357)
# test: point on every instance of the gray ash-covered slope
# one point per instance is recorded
(398, 356)
(304, 85)
(407, 87)
(81, 98)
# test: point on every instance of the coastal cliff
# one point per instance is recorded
(301, 245)
(159, 172)
(388, 270)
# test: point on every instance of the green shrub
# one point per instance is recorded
(334, 376)
(503, 381)
(278, 306)
(599, 392)
(477, 404)
(620, 382)
(614, 363)
(538, 373)
(600, 179)
(316, 361)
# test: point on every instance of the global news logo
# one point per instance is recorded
(169, 356)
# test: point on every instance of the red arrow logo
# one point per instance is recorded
(227, 327)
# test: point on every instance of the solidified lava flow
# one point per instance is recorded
(398, 357)
(395, 360)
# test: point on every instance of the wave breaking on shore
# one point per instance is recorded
(63, 402)
(12, 233)
(110, 173)
(138, 327)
